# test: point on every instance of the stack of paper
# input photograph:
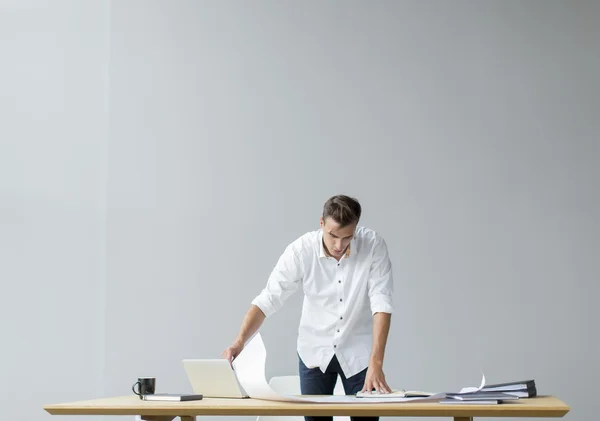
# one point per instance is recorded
(521, 389)
(494, 393)
(480, 397)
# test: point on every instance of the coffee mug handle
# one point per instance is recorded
(133, 388)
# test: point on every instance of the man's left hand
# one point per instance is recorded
(375, 379)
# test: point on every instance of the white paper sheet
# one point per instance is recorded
(473, 389)
(249, 367)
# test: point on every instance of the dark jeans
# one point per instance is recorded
(314, 382)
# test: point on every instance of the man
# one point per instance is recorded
(346, 275)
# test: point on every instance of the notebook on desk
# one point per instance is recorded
(170, 397)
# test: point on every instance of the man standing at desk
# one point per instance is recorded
(346, 275)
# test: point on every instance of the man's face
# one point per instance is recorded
(336, 238)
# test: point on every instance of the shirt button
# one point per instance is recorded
(340, 299)
(335, 346)
(338, 330)
(341, 317)
(339, 282)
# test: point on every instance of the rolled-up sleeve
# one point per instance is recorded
(284, 280)
(381, 282)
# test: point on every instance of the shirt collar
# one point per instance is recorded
(351, 249)
(321, 246)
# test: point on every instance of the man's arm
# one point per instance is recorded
(250, 325)
(375, 379)
(283, 282)
(380, 288)
(381, 328)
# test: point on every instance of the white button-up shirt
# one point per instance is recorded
(340, 298)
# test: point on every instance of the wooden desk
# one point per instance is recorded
(540, 406)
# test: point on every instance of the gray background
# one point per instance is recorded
(156, 157)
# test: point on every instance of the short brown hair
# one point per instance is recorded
(342, 209)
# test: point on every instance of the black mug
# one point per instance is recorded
(146, 386)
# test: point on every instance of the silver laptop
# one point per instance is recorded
(213, 378)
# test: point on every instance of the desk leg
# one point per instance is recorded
(463, 418)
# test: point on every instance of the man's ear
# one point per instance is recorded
(322, 222)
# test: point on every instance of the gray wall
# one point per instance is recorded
(53, 169)
(467, 129)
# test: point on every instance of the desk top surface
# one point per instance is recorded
(540, 406)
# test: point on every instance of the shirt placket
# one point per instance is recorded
(339, 279)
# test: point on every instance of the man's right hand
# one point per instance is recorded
(233, 351)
